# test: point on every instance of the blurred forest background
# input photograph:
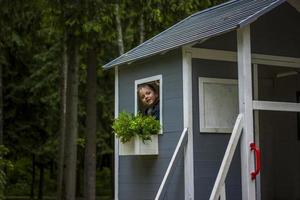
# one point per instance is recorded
(56, 102)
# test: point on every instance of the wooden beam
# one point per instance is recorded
(245, 105)
(276, 106)
(188, 123)
(231, 56)
(223, 192)
(256, 125)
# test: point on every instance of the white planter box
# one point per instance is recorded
(137, 147)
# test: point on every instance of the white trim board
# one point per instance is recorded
(231, 56)
(256, 125)
(188, 123)
(276, 106)
(245, 105)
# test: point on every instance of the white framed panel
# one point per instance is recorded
(218, 104)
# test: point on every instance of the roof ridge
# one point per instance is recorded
(213, 7)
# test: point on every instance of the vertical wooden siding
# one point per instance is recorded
(209, 148)
(140, 176)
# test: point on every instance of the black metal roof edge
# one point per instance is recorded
(109, 66)
(259, 13)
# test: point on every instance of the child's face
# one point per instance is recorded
(147, 96)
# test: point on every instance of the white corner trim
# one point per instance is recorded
(256, 125)
(245, 105)
(116, 156)
(188, 123)
(231, 56)
(146, 80)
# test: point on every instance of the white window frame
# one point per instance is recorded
(146, 80)
(202, 111)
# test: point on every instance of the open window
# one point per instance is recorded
(149, 147)
(218, 104)
(153, 84)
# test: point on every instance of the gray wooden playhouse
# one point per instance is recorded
(229, 86)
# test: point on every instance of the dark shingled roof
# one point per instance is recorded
(201, 25)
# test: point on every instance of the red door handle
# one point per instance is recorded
(256, 150)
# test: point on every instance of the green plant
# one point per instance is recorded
(127, 126)
(3, 164)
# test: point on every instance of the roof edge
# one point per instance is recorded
(259, 13)
(250, 19)
(109, 66)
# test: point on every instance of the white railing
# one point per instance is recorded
(219, 191)
(182, 141)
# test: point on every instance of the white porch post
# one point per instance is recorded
(188, 123)
(245, 105)
(116, 169)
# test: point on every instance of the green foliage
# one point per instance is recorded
(103, 187)
(32, 36)
(4, 164)
(128, 126)
(19, 178)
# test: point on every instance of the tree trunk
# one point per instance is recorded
(90, 147)
(1, 107)
(32, 177)
(119, 29)
(78, 179)
(142, 28)
(41, 182)
(63, 90)
(121, 51)
(70, 153)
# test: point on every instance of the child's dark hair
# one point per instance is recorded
(150, 85)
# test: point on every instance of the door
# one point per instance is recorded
(278, 135)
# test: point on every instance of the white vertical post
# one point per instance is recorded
(256, 123)
(245, 105)
(188, 123)
(116, 169)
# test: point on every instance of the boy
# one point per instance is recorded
(149, 99)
